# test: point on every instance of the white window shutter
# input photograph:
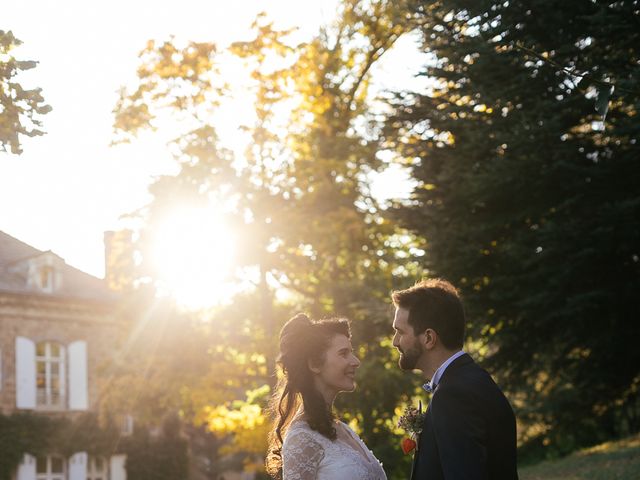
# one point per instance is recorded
(78, 466)
(25, 373)
(27, 469)
(63, 376)
(78, 376)
(117, 467)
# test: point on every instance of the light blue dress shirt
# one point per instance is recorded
(431, 386)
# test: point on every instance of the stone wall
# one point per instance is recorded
(42, 317)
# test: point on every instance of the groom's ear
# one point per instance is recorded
(429, 339)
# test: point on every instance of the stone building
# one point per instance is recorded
(59, 332)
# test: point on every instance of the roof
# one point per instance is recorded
(75, 284)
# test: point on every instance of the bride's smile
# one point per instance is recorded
(337, 372)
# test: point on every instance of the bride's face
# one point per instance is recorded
(337, 373)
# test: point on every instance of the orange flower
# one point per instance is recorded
(408, 445)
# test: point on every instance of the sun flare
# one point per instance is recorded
(194, 257)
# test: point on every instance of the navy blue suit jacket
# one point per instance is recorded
(469, 430)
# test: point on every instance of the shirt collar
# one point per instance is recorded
(435, 380)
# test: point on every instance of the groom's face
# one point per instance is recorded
(406, 341)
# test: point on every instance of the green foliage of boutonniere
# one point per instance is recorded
(411, 421)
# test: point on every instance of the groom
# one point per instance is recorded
(469, 430)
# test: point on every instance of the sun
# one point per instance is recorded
(193, 255)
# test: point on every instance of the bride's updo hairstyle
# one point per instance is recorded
(302, 341)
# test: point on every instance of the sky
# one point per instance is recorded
(69, 186)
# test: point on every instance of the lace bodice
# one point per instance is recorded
(309, 455)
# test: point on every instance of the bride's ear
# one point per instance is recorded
(312, 366)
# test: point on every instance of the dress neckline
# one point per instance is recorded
(360, 451)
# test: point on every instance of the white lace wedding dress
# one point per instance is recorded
(309, 455)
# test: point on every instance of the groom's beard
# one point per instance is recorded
(409, 357)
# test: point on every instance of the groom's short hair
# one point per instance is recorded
(435, 304)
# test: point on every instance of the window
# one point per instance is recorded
(97, 469)
(46, 278)
(51, 467)
(126, 424)
(50, 375)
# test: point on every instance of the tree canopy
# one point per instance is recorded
(298, 199)
(21, 109)
(527, 198)
(524, 156)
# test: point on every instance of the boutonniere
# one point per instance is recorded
(411, 421)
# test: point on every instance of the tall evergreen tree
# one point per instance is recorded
(529, 202)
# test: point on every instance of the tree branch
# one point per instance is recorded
(574, 73)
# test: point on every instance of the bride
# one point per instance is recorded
(307, 441)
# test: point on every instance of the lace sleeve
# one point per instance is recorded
(301, 456)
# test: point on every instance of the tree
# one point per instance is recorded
(528, 201)
(20, 109)
(299, 198)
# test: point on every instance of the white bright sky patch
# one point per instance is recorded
(69, 186)
(194, 255)
(393, 183)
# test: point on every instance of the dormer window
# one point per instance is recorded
(42, 272)
(46, 278)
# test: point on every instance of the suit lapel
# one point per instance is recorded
(450, 372)
(420, 449)
(413, 464)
